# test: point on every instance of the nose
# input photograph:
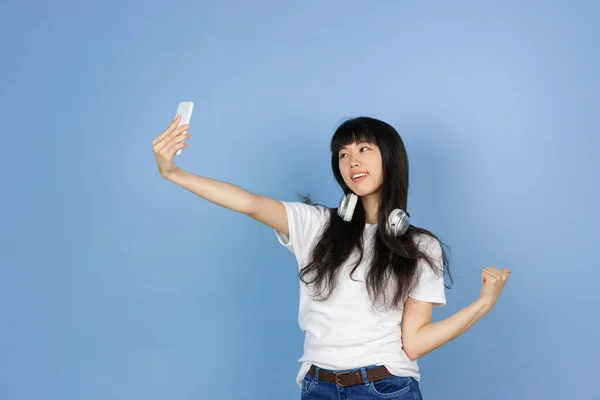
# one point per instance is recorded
(353, 160)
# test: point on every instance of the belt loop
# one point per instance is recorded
(363, 372)
(317, 373)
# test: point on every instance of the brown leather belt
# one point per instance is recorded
(351, 378)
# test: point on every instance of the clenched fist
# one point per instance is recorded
(493, 281)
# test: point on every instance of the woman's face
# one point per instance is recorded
(361, 167)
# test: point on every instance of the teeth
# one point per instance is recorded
(358, 176)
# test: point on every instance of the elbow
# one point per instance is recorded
(411, 353)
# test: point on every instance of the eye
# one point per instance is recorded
(365, 147)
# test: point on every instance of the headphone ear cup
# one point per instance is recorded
(347, 206)
(398, 222)
(342, 207)
(353, 199)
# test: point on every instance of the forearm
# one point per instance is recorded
(220, 193)
(434, 335)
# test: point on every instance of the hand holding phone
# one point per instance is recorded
(184, 109)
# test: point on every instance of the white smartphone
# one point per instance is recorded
(184, 109)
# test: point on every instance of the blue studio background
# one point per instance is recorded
(115, 284)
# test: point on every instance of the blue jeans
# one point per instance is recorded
(394, 387)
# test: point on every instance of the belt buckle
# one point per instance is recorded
(337, 378)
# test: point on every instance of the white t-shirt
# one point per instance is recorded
(347, 331)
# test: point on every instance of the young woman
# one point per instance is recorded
(370, 278)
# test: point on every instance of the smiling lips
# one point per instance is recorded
(359, 177)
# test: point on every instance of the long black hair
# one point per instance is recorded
(394, 259)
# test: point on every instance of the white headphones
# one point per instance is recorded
(397, 223)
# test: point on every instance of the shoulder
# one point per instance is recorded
(307, 212)
(305, 221)
(426, 243)
(432, 250)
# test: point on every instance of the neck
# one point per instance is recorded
(371, 205)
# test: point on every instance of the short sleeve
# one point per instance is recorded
(305, 222)
(430, 286)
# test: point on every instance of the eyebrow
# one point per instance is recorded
(363, 142)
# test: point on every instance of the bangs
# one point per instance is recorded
(352, 131)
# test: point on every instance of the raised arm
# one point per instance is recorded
(420, 336)
(261, 208)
